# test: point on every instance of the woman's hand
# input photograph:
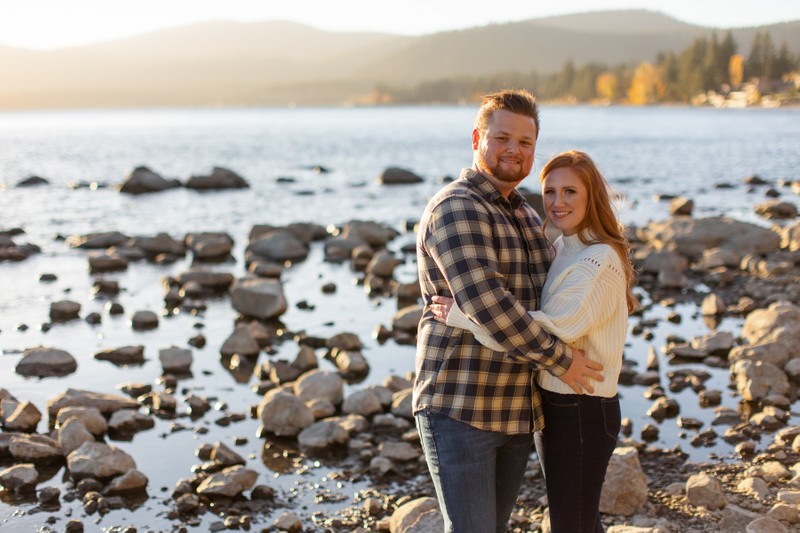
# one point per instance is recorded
(441, 308)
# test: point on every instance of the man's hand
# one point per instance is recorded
(581, 373)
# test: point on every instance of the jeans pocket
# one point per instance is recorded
(612, 417)
(555, 399)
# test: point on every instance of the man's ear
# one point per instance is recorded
(476, 138)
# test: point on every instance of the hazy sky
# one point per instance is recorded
(45, 24)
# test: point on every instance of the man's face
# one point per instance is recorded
(504, 152)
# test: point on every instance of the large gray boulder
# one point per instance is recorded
(690, 237)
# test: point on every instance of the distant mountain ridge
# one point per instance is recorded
(277, 63)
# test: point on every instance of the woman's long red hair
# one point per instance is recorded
(601, 223)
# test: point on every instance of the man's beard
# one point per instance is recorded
(504, 174)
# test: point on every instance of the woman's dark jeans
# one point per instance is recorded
(579, 437)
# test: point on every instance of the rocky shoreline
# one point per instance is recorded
(727, 268)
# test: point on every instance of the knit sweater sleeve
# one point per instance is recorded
(584, 295)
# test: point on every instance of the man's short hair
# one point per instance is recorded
(517, 101)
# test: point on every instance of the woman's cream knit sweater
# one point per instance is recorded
(583, 304)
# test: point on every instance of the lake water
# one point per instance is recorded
(644, 152)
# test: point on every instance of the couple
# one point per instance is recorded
(518, 331)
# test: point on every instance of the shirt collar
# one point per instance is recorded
(489, 191)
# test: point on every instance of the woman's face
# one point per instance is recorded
(565, 199)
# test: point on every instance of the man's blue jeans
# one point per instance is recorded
(476, 473)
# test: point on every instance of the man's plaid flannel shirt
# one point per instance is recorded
(491, 255)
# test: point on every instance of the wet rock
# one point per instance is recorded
(106, 262)
(398, 176)
(105, 403)
(340, 248)
(776, 353)
(31, 181)
(288, 522)
(198, 405)
(74, 526)
(258, 297)
(142, 180)
(690, 237)
(99, 461)
(23, 416)
(681, 206)
(241, 342)
(220, 178)
(144, 320)
(716, 343)
(213, 282)
(649, 433)
(407, 319)
(363, 402)
(19, 477)
(49, 496)
(34, 448)
(283, 413)
(42, 361)
(130, 481)
(320, 384)
(230, 482)
(351, 363)
(72, 434)
(776, 210)
(158, 245)
(664, 408)
(209, 246)
(279, 245)
(402, 404)
(322, 435)
(713, 305)
(130, 421)
(224, 456)
(64, 311)
(97, 241)
(399, 451)
(382, 264)
(175, 360)
(91, 418)
(125, 355)
(306, 359)
(372, 233)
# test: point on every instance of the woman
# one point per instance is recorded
(586, 301)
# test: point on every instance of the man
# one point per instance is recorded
(482, 244)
